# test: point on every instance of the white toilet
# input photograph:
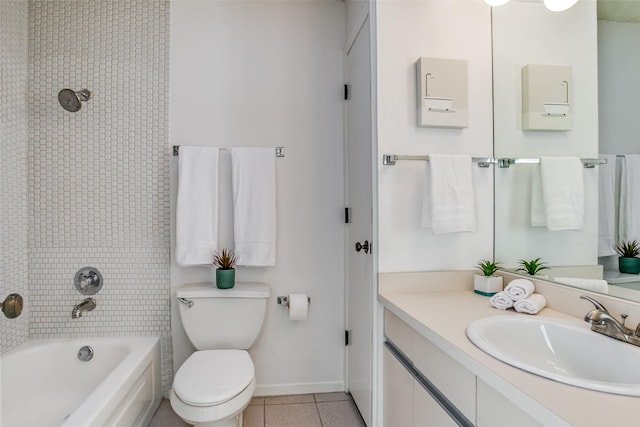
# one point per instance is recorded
(216, 383)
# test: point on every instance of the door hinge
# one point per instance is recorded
(347, 92)
(347, 337)
(347, 215)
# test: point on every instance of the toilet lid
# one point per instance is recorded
(212, 377)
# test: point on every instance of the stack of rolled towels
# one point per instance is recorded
(519, 294)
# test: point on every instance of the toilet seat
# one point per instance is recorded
(213, 377)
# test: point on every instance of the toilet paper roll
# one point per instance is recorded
(298, 306)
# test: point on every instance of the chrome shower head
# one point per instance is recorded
(71, 100)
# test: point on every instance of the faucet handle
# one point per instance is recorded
(624, 318)
(595, 302)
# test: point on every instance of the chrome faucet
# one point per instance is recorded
(604, 323)
(87, 305)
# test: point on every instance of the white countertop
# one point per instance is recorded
(443, 316)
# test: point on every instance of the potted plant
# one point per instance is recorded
(531, 267)
(487, 283)
(225, 261)
(628, 261)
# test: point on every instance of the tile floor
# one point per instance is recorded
(300, 410)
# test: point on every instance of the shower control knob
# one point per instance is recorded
(12, 306)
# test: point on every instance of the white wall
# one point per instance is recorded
(407, 30)
(270, 74)
(527, 33)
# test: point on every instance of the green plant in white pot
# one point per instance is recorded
(487, 283)
(628, 261)
(225, 261)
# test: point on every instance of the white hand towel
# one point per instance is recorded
(596, 285)
(538, 217)
(254, 205)
(501, 300)
(197, 205)
(562, 192)
(629, 227)
(448, 204)
(606, 206)
(519, 289)
(531, 305)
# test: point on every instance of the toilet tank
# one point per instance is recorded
(222, 318)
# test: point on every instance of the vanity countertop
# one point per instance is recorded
(443, 316)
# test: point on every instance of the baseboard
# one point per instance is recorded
(298, 388)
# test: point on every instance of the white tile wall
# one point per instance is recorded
(13, 167)
(99, 178)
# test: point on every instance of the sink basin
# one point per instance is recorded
(562, 350)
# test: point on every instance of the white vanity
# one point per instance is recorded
(425, 318)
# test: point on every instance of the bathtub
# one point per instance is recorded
(45, 384)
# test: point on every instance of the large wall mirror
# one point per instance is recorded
(597, 42)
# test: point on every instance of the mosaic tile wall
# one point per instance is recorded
(13, 167)
(99, 178)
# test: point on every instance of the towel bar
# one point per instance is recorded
(390, 159)
(279, 151)
(506, 162)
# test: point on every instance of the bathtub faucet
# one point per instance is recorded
(87, 305)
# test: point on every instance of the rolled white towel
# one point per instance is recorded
(501, 301)
(531, 305)
(520, 289)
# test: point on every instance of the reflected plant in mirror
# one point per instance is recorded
(531, 267)
(628, 261)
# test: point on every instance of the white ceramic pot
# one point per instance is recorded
(487, 285)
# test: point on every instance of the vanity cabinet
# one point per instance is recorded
(424, 386)
(406, 403)
(495, 410)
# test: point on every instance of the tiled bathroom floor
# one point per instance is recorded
(300, 410)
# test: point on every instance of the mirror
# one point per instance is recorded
(590, 39)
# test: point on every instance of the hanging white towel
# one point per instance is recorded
(254, 205)
(629, 226)
(606, 206)
(448, 204)
(562, 194)
(197, 205)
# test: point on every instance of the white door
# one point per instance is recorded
(360, 228)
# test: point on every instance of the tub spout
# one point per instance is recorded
(87, 305)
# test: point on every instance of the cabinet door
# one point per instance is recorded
(427, 412)
(495, 410)
(397, 392)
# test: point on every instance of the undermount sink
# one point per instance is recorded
(562, 350)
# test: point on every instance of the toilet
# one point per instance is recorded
(216, 383)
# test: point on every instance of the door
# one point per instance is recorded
(359, 293)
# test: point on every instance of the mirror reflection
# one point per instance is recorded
(598, 44)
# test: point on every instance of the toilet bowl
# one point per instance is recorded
(216, 383)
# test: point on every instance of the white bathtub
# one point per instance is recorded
(45, 384)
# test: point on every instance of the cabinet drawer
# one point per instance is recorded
(426, 411)
(451, 378)
(400, 334)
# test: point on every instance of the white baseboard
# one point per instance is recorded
(298, 388)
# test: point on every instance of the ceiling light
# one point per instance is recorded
(496, 2)
(559, 5)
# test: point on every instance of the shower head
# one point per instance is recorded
(72, 100)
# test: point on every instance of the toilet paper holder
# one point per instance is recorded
(284, 301)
